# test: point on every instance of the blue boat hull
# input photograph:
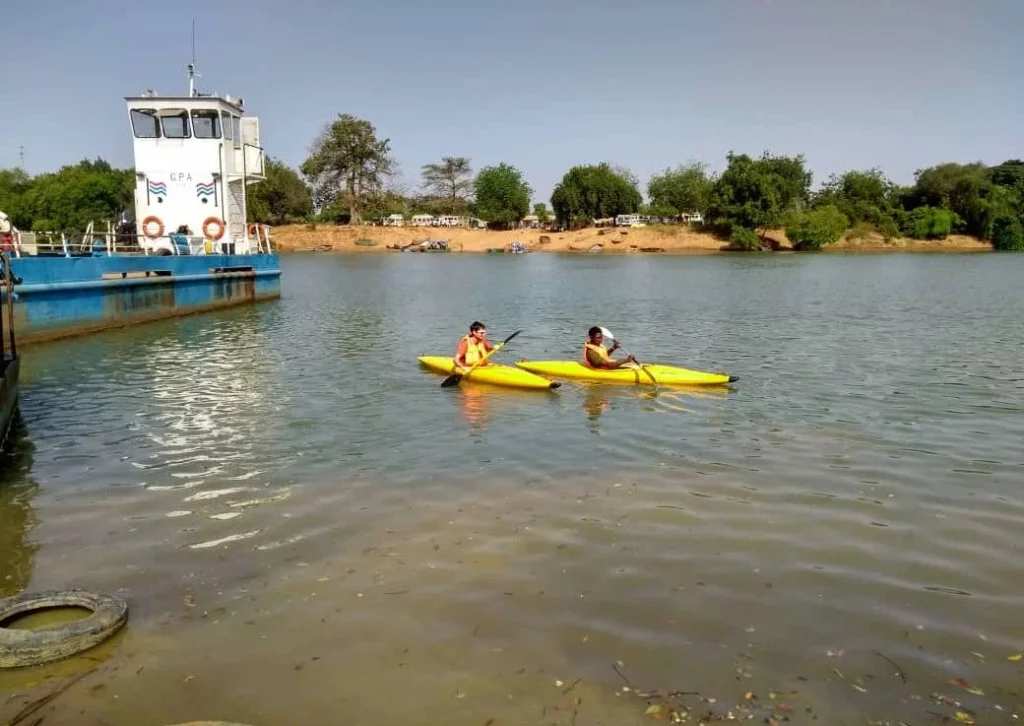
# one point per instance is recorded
(57, 297)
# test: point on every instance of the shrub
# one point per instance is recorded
(745, 239)
(1008, 233)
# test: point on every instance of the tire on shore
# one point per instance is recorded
(20, 648)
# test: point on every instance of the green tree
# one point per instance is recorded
(930, 223)
(965, 189)
(683, 189)
(744, 239)
(1008, 233)
(756, 193)
(280, 198)
(14, 186)
(348, 161)
(502, 195)
(1010, 174)
(67, 200)
(863, 197)
(385, 203)
(540, 210)
(594, 192)
(814, 228)
(451, 182)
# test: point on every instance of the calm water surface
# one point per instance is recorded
(310, 530)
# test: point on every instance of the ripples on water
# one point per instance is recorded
(286, 497)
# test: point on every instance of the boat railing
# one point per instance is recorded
(109, 241)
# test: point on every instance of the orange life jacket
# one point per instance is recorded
(474, 350)
(599, 349)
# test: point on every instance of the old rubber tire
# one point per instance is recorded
(32, 647)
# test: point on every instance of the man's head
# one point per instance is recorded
(596, 336)
(478, 330)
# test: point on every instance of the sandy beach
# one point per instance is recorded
(642, 240)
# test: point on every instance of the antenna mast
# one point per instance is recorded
(192, 65)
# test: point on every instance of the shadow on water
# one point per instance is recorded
(17, 517)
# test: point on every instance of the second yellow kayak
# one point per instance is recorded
(662, 374)
(495, 374)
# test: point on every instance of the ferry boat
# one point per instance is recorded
(192, 251)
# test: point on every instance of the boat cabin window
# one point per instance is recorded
(144, 123)
(206, 124)
(236, 130)
(227, 127)
(175, 124)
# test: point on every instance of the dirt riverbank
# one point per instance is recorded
(677, 240)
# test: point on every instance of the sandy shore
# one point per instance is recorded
(677, 240)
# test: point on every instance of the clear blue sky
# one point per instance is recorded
(541, 84)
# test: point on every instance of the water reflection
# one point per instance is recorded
(17, 517)
(473, 406)
(595, 402)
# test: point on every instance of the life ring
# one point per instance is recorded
(153, 220)
(206, 228)
(31, 647)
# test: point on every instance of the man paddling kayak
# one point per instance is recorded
(473, 347)
(596, 356)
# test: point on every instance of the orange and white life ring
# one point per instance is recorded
(151, 220)
(213, 221)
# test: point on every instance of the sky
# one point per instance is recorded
(540, 84)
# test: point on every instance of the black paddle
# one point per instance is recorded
(455, 378)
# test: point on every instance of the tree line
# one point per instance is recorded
(351, 175)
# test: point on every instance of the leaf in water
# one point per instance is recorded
(655, 712)
(1015, 657)
(975, 690)
(963, 717)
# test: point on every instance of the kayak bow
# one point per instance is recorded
(632, 375)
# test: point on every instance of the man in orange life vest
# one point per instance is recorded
(595, 355)
(473, 347)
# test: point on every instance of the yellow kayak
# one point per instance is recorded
(495, 374)
(664, 375)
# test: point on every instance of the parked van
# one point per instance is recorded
(422, 220)
(627, 220)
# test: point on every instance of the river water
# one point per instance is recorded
(309, 529)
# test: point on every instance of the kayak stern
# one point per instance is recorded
(494, 374)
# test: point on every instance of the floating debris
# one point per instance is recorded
(224, 540)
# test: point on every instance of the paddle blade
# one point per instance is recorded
(452, 380)
(607, 334)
